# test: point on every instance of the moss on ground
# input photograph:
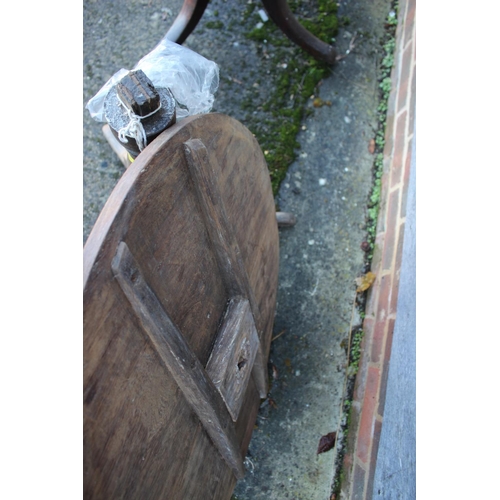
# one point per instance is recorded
(287, 106)
(385, 83)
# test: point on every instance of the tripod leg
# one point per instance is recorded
(186, 21)
(280, 13)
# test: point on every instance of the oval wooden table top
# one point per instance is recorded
(180, 283)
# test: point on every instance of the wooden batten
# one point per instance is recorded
(179, 359)
(232, 359)
(205, 180)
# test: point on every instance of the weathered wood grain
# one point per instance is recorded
(205, 176)
(231, 362)
(142, 438)
(183, 365)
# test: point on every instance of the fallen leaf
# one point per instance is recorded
(371, 146)
(318, 102)
(327, 442)
(364, 282)
(272, 403)
(275, 372)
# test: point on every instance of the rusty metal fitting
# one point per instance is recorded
(137, 112)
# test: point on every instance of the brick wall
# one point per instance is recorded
(369, 393)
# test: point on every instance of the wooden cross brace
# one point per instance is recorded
(217, 391)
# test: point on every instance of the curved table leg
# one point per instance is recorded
(280, 13)
(186, 20)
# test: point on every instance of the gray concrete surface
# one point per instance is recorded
(395, 472)
(326, 188)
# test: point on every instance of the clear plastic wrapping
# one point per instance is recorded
(192, 78)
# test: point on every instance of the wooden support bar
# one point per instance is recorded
(230, 364)
(225, 246)
(178, 358)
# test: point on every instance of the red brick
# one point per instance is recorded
(402, 93)
(378, 341)
(358, 483)
(397, 272)
(384, 374)
(396, 165)
(401, 130)
(392, 218)
(406, 179)
(366, 426)
(384, 297)
(411, 119)
(388, 339)
(373, 460)
(377, 430)
(404, 78)
(399, 149)
(385, 368)
(409, 22)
